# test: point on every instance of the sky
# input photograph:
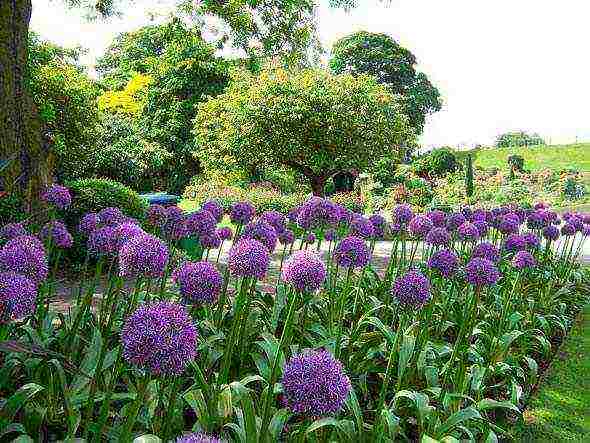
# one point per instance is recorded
(500, 65)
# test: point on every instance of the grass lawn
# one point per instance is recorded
(560, 410)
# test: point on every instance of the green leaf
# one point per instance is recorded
(405, 355)
(488, 403)
(458, 417)
(321, 423)
(148, 438)
(249, 419)
(277, 423)
(18, 399)
(89, 363)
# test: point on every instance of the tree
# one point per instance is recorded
(393, 66)
(311, 121)
(518, 138)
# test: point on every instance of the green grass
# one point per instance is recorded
(560, 410)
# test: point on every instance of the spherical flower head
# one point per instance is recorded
(263, 232)
(317, 212)
(286, 237)
(305, 271)
(58, 196)
(478, 215)
(315, 384)
(199, 282)
(362, 227)
(514, 243)
(455, 220)
(248, 258)
(211, 241)
(17, 296)
(531, 240)
(523, 260)
(445, 262)
(201, 223)
(331, 235)
(225, 233)
(214, 208)
(509, 224)
(159, 338)
(411, 290)
(379, 223)
(486, 250)
(420, 225)
(585, 218)
(242, 213)
(568, 230)
(438, 218)
(12, 230)
(110, 216)
(551, 233)
(352, 252)
(310, 238)
(143, 256)
(124, 232)
(198, 437)
(438, 237)
(25, 255)
(481, 272)
(468, 232)
(89, 222)
(57, 233)
(586, 230)
(157, 215)
(343, 215)
(102, 242)
(275, 219)
(538, 219)
(176, 227)
(292, 214)
(482, 227)
(402, 214)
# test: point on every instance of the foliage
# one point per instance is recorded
(518, 138)
(436, 163)
(573, 190)
(10, 209)
(351, 200)
(310, 121)
(130, 100)
(469, 177)
(516, 163)
(393, 66)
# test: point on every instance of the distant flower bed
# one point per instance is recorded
(442, 342)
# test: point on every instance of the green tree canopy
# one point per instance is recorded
(519, 138)
(393, 66)
(314, 122)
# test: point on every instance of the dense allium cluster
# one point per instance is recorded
(317, 212)
(352, 252)
(25, 255)
(402, 214)
(12, 230)
(198, 437)
(199, 282)
(481, 272)
(242, 213)
(56, 233)
(411, 290)
(124, 232)
(225, 233)
(160, 338)
(438, 237)
(176, 227)
(110, 216)
(286, 237)
(343, 215)
(468, 231)
(102, 242)
(551, 233)
(379, 223)
(263, 232)
(438, 218)
(214, 208)
(211, 241)
(531, 240)
(445, 262)
(486, 250)
(538, 219)
(514, 243)
(143, 256)
(248, 258)
(482, 227)
(568, 230)
(89, 223)
(275, 219)
(305, 270)
(200, 223)
(58, 196)
(420, 226)
(455, 220)
(315, 384)
(157, 216)
(17, 296)
(361, 227)
(523, 259)
(509, 224)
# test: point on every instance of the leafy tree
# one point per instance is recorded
(518, 138)
(130, 100)
(392, 65)
(436, 163)
(316, 123)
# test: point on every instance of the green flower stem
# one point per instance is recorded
(340, 313)
(393, 352)
(175, 386)
(142, 385)
(222, 299)
(243, 325)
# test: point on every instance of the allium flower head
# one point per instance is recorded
(157, 216)
(481, 272)
(176, 227)
(514, 243)
(468, 231)
(292, 215)
(352, 252)
(343, 214)
(310, 238)
(143, 256)
(110, 216)
(479, 215)
(17, 296)
(56, 232)
(305, 271)
(201, 223)
(411, 290)
(331, 235)
(286, 237)
(486, 250)
(538, 219)
(248, 258)
(211, 241)
(103, 242)
(568, 230)
(523, 259)
(455, 220)
(25, 255)
(124, 232)
(214, 208)
(438, 218)
(586, 230)
(402, 214)
(445, 262)
(420, 225)
(199, 282)
(263, 232)
(198, 437)
(361, 227)
(379, 223)
(275, 219)
(159, 338)
(89, 223)
(225, 233)
(509, 224)
(482, 227)
(531, 240)
(12, 230)
(242, 213)
(551, 233)
(315, 384)
(317, 212)
(58, 196)
(438, 237)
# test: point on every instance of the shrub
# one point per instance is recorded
(437, 163)
(350, 200)
(516, 163)
(10, 209)
(518, 138)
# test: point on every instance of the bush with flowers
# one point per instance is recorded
(442, 343)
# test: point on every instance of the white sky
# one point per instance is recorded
(499, 64)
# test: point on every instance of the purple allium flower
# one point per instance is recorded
(225, 233)
(174, 214)
(482, 227)
(275, 219)
(157, 216)
(25, 255)
(310, 238)
(198, 437)
(160, 338)
(379, 223)
(352, 252)
(211, 241)
(402, 214)
(199, 282)
(478, 215)
(286, 237)
(201, 223)
(361, 227)
(102, 241)
(343, 214)
(305, 271)
(110, 216)
(455, 220)
(541, 205)
(524, 259)
(124, 232)
(486, 250)
(586, 230)
(242, 213)
(315, 384)
(420, 226)
(568, 230)
(551, 233)
(12, 230)
(395, 228)
(531, 240)
(445, 262)
(467, 212)
(248, 258)
(438, 237)
(468, 231)
(143, 256)
(438, 218)
(176, 227)
(481, 272)
(58, 196)
(17, 296)
(292, 215)
(214, 208)
(514, 243)
(538, 219)
(331, 235)
(317, 212)
(263, 232)
(509, 224)
(411, 290)
(89, 223)
(57, 233)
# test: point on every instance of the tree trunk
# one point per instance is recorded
(24, 152)
(317, 185)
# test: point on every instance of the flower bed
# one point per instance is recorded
(447, 348)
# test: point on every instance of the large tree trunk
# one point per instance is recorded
(317, 185)
(24, 152)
